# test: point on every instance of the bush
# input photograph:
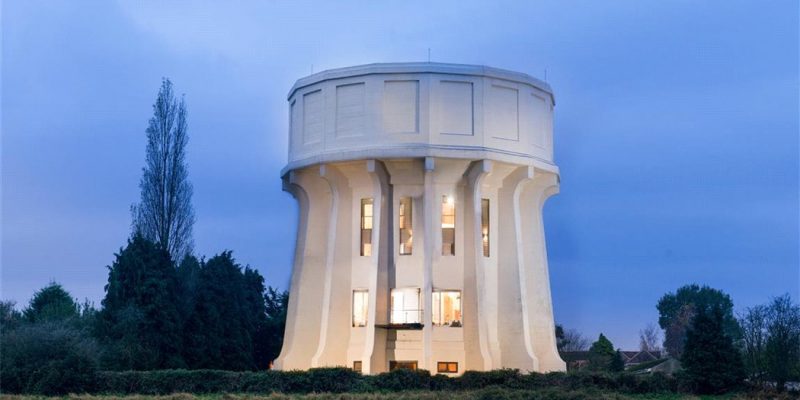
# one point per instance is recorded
(402, 379)
(49, 358)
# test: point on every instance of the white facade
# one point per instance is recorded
(420, 239)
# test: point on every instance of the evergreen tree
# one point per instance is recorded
(617, 363)
(276, 305)
(51, 303)
(219, 332)
(601, 354)
(711, 362)
(140, 319)
(676, 311)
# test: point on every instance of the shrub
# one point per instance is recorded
(402, 379)
(48, 358)
(509, 378)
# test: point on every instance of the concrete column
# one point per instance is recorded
(515, 332)
(430, 200)
(475, 330)
(374, 356)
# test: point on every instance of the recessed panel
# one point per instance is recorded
(401, 107)
(456, 107)
(313, 122)
(502, 113)
(538, 115)
(350, 110)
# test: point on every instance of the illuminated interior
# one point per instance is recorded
(447, 308)
(485, 226)
(448, 226)
(360, 304)
(405, 306)
(366, 227)
(406, 235)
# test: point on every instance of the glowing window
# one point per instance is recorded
(405, 226)
(357, 366)
(405, 306)
(447, 367)
(360, 306)
(485, 226)
(448, 226)
(366, 227)
(393, 365)
(447, 308)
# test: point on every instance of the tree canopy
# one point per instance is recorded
(676, 311)
(711, 362)
(50, 303)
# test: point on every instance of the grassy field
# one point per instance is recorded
(484, 394)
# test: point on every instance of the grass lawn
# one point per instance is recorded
(484, 394)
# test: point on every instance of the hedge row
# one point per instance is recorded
(339, 380)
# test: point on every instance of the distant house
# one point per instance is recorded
(580, 359)
(632, 358)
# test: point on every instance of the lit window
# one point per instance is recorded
(447, 308)
(447, 367)
(448, 226)
(366, 227)
(405, 226)
(357, 366)
(360, 304)
(393, 365)
(485, 226)
(405, 306)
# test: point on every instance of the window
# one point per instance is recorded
(366, 227)
(360, 306)
(357, 366)
(393, 365)
(405, 306)
(448, 226)
(447, 308)
(405, 226)
(447, 367)
(485, 226)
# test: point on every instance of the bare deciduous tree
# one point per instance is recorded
(754, 323)
(650, 338)
(571, 340)
(164, 214)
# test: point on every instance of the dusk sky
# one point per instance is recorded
(676, 131)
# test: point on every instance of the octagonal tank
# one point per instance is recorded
(411, 110)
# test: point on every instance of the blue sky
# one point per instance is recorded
(676, 132)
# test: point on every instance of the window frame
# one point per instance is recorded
(364, 292)
(448, 201)
(365, 241)
(405, 216)
(443, 367)
(486, 227)
(437, 308)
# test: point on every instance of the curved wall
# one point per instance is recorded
(403, 110)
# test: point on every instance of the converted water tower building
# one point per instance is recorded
(420, 241)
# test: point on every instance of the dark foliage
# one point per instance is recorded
(343, 380)
(676, 311)
(711, 362)
(140, 323)
(601, 354)
(228, 327)
(782, 347)
(49, 358)
(51, 303)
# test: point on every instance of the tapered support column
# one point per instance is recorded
(430, 214)
(375, 342)
(304, 311)
(474, 279)
(334, 326)
(516, 342)
(535, 268)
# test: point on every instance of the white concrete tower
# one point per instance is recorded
(420, 241)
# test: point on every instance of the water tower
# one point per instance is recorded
(420, 241)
